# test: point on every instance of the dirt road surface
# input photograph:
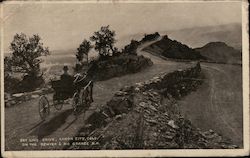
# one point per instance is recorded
(218, 104)
(23, 120)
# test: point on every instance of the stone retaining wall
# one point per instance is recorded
(18, 98)
(177, 84)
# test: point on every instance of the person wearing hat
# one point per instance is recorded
(65, 74)
(67, 80)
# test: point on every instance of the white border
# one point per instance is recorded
(2, 78)
(245, 74)
(143, 153)
(114, 1)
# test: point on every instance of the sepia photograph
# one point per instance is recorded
(124, 78)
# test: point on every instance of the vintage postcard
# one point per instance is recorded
(124, 78)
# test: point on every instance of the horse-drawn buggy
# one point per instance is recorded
(80, 94)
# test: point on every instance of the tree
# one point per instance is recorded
(83, 50)
(26, 53)
(104, 41)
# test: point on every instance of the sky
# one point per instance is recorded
(64, 26)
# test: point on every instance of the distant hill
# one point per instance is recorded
(199, 36)
(173, 49)
(220, 52)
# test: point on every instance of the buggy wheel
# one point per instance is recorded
(76, 102)
(44, 108)
(58, 104)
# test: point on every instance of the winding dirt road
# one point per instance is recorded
(23, 120)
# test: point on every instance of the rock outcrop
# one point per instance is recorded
(150, 37)
(118, 66)
(173, 49)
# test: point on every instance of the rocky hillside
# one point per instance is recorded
(173, 49)
(118, 66)
(220, 52)
(147, 116)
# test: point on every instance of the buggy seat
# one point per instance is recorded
(64, 88)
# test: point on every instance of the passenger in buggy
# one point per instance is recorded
(65, 77)
(66, 83)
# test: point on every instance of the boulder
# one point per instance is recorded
(153, 108)
(151, 121)
(34, 96)
(18, 95)
(137, 89)
(168, 137)
(120, 104)
(142, 104)
(172, 124)
(118, 117)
